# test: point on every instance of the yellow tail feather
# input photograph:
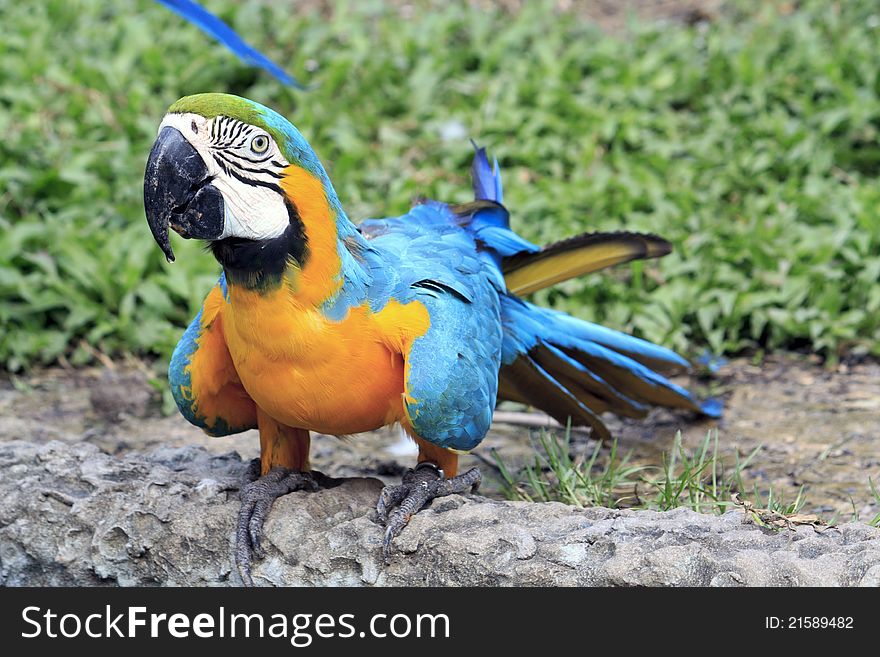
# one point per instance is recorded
(527, 273)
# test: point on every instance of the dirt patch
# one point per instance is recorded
(610, 15)
(817, 428)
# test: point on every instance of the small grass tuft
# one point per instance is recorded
(875, 521)
(699, 481)
(581, 481)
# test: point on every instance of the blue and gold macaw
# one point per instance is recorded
(317, 324)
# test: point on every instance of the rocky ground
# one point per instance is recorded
(97, 486)
(72, 515)
(817, 428)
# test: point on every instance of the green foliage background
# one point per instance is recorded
(751, 143)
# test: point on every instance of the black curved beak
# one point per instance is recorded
(178, 192)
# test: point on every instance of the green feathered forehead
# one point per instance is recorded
(213, 105)
(292, 144)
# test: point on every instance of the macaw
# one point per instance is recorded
(319, 325)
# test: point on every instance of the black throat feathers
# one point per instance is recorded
(260, 264)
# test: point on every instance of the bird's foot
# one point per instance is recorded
(418, 488)
(257, 496)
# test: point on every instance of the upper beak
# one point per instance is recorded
(178, 192)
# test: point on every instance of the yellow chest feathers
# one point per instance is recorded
(307, 371)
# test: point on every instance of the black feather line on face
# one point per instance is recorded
(255, 264)
(260, 264)
(220, 163)
(256, 183)
(229, 158)
(237, 131)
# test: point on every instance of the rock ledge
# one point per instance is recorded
(72, 515)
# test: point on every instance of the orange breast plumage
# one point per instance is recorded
(307, 371)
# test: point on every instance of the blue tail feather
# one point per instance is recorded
(713, 408)
(643, 351)
(595, 384)
(499, 188)
(604, 364)
(487, 180)
(526, 378)
(213, 26)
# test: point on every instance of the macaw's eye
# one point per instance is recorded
(260, 144)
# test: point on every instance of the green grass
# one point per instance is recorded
(752, 144)
(698, 481)
(875, 521)
(581, 481)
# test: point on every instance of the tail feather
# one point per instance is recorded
(557, 354)
(539, 388)
(525, 273)
(646, 353)
(213, 26)
(623, 373)
(487, 180)
(580, 379)
(569, 368)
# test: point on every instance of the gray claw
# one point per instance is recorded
(257, 496)
(418, 488)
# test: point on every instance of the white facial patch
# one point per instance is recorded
(245, 164)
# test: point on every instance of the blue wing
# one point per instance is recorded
(213, 26)
(575, 369)
(451, 376)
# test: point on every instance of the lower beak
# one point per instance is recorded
(178, 192)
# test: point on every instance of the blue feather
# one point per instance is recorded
(504, 241)
(584, 372)
(629, 383)
(713, 408)
(210, 24)
(634, 347)
(499, 191)
(487, 180)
